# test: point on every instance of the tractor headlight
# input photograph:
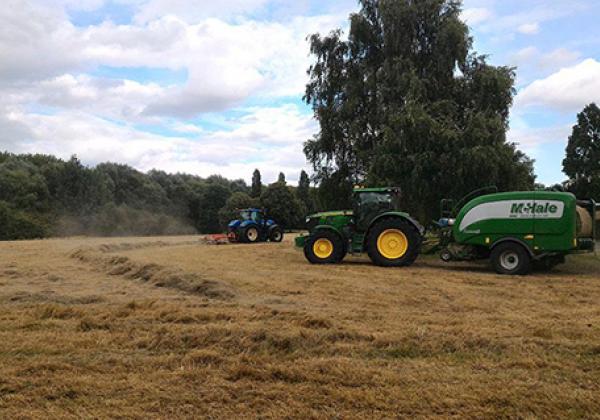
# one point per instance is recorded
(307, 221)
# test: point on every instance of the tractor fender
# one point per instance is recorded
(234, 224)
(247, 223)
(405, 216)
(515, 240)
(273, 226)
(330, 228)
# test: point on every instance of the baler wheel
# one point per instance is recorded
(510, 258)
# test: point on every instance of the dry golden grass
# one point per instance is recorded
(138, 328)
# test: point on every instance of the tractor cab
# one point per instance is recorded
(255, 215)
(372, 202)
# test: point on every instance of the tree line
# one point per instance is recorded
(43, 196)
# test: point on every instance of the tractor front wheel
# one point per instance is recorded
(324, 247)
(276, 234)
(393, 243)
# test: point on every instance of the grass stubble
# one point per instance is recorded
(171, 328)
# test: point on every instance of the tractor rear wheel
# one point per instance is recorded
(276, 234)
(511, 259)
(393, 243)
(251, 234)
(324, 247)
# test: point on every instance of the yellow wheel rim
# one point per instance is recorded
(323, 248)
(392, 244)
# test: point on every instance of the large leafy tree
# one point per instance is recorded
(205, 208)
(405, 101)
(303, 191)
(582, 163)
(256, 189)
(282, 205)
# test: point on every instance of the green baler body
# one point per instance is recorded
(545, 222)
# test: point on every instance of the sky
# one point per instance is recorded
(209, 87)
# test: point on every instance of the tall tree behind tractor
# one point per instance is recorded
(404, 100)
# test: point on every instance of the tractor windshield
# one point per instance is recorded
(255, 216)
(389, 201)
(371, 204)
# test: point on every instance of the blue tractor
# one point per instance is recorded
(252, 227)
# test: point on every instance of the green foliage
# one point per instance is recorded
(281, 178)
(283, 206)
(205, 208)
(133, 188)
(15, 224)
(236, 202)
(256, 184)
(410, 106)
(22, 185)
(582, 162)
(303, 192)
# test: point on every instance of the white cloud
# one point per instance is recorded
(476, 15)
(194, 11)
(568, 90)
(267, 138)
(530, 16)
(558, 58)
(109, 98)
(553, 60)
(529, 28)
(531, 139)
(35, 42)
(226, 62)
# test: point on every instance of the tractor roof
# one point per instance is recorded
(377, 190)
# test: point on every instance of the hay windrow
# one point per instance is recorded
(157, 275)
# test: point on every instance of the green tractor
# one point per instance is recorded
(375, 225)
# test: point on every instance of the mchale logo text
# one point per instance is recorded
(532, 208)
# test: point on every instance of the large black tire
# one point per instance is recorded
(402, 229)
(276, 234)
(251, 234)
(316, 251)
(511, 259)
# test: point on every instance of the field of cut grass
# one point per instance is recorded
(171, 328)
